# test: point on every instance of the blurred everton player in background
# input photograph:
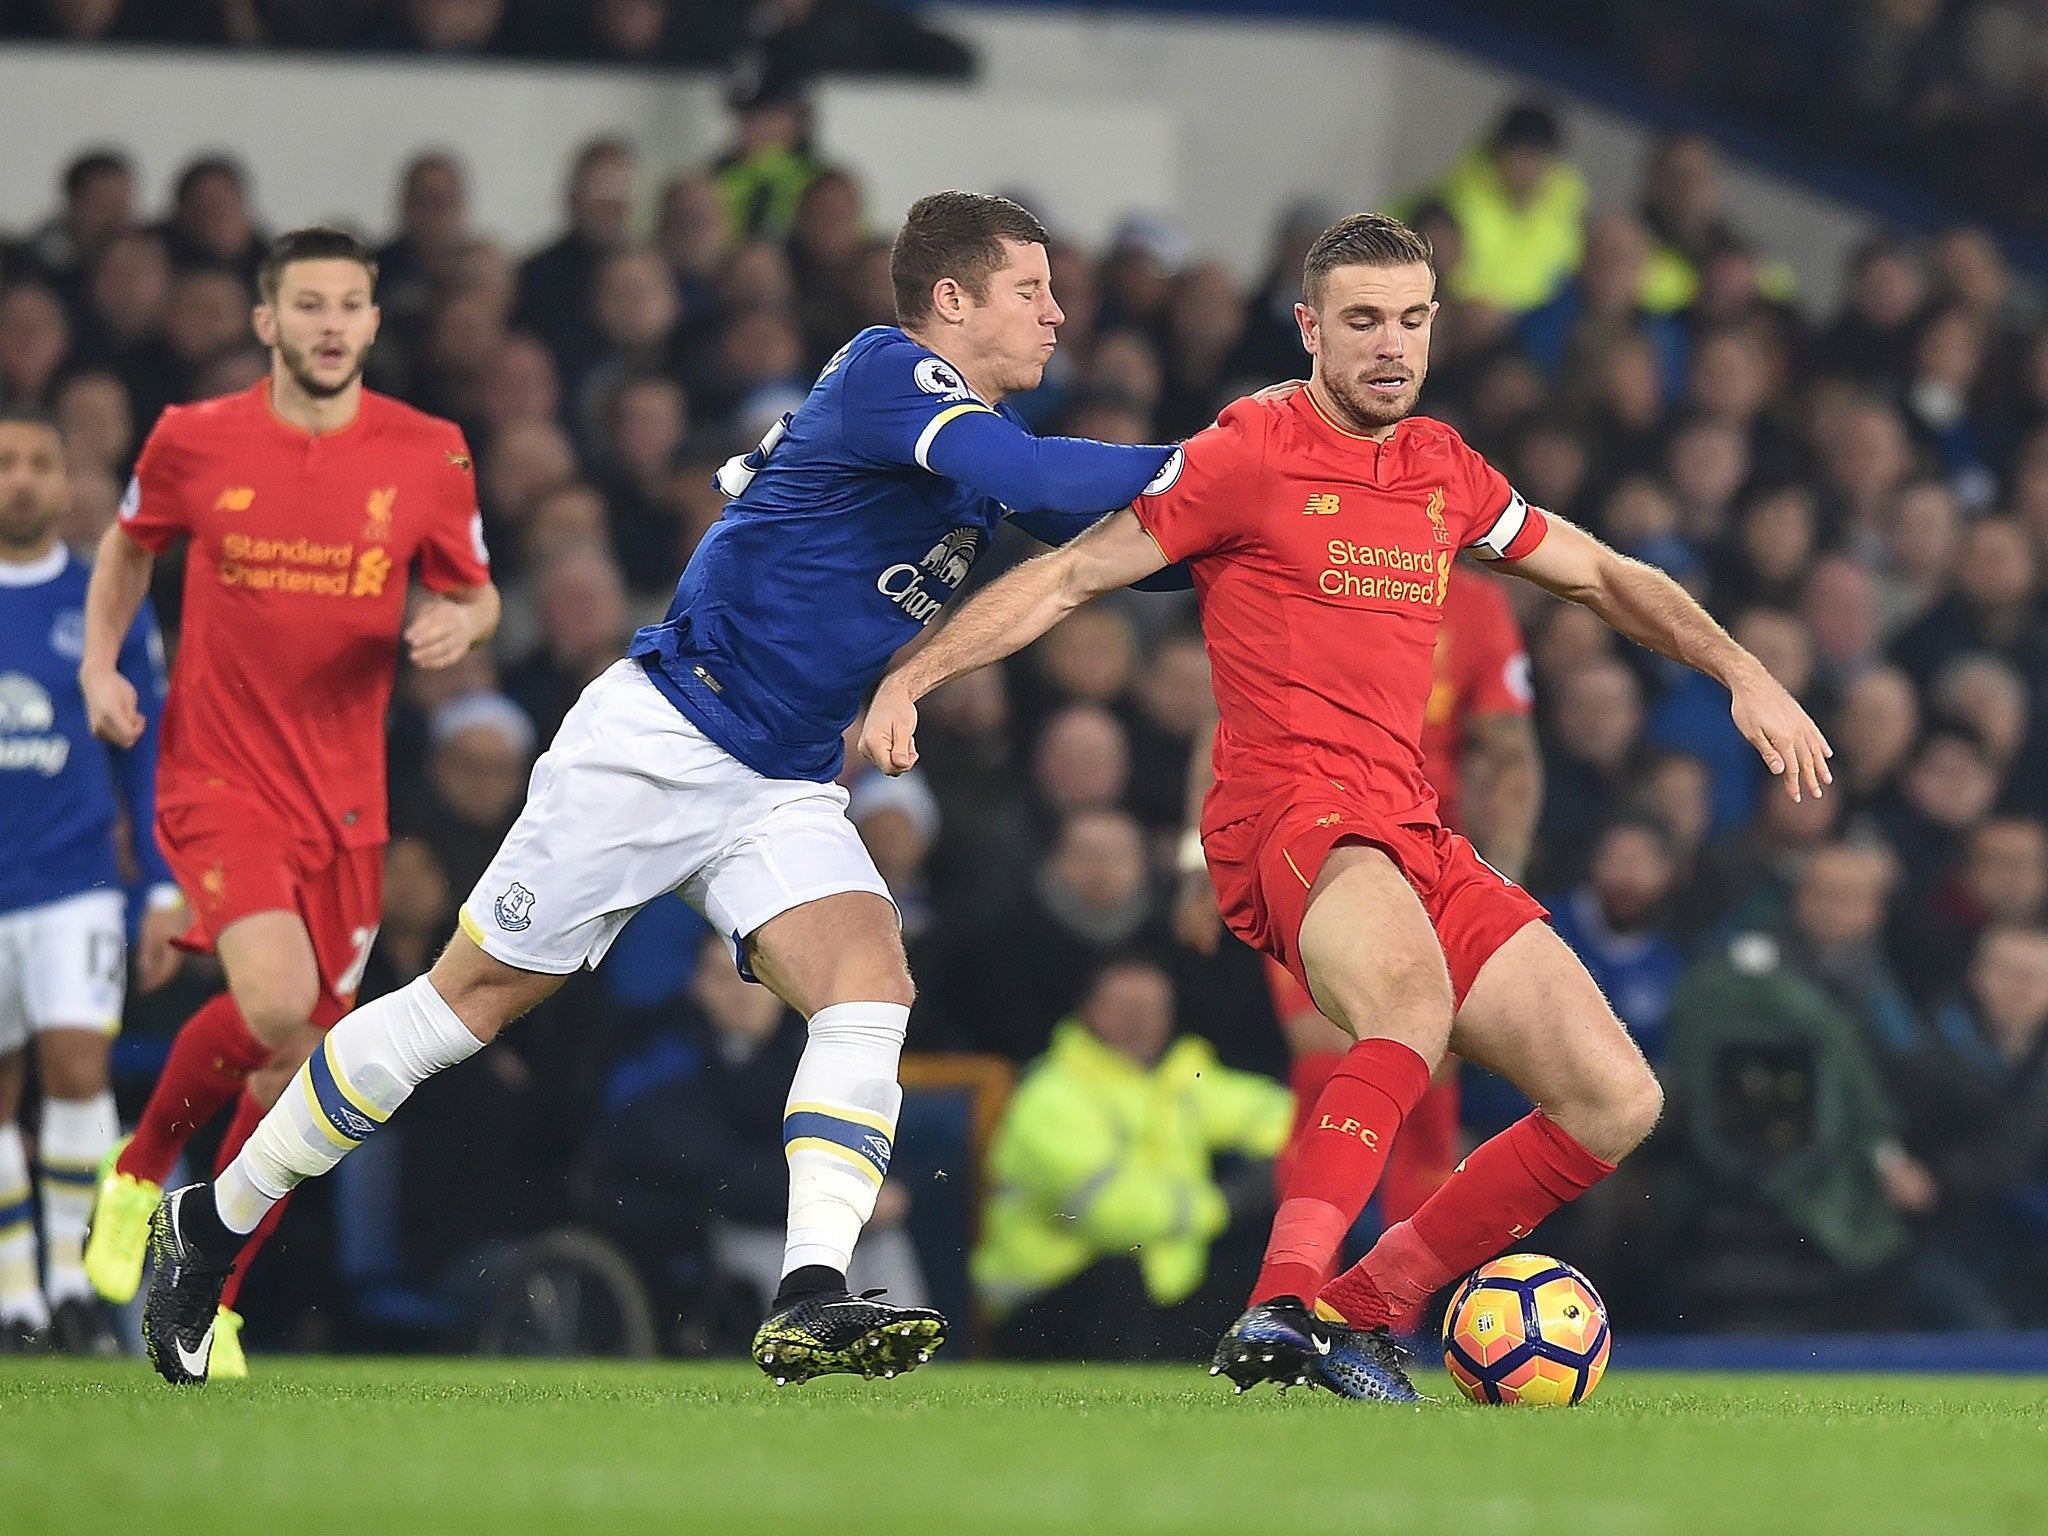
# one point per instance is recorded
(63, 934)
(704, 763)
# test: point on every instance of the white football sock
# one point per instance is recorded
(21, 1294)
(367, 1066)
(839, 1128)
(76, 1134)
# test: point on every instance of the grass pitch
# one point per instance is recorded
(453, 1446)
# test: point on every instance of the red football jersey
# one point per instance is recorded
(295, 584)
(1480, 668)
(1321, 560)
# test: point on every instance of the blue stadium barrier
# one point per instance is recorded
(2006, 1354)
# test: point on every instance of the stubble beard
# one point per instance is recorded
(1369, 411)
(296, 365)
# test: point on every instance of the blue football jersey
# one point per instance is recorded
(840, 545)
(57, 780)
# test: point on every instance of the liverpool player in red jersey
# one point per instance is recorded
(308, 502)
(1320, 529)
(1479, 754)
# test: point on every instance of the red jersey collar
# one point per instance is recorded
(1315, 414)
(267, 408)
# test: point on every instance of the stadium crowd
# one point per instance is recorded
(1847, 996)
(842, 36)
(1951, 95)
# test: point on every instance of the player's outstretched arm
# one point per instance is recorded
(1651, 609)
(120, 580)
(1004, 617)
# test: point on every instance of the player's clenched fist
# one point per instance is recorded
(889, 738)
(111, 707)
(440, 634)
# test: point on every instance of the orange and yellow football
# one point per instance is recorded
(1526, 1329)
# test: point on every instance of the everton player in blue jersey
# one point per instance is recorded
(703, 764)
(62, 930)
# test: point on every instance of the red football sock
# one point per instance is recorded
(1498, 1195)
(1424, 1155)
(213, 1053)
(1306, 1077)
(1356, 1119)
(248, 1115)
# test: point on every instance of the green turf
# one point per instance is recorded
(456, 1446)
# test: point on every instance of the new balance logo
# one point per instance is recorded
(1323, 504)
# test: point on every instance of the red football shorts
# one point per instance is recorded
(1264, 866)
(232, 860)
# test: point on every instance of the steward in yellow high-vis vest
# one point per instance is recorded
(1102, 1155)
(1520, 207)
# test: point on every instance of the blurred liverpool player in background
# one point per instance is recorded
(1320, 528)
(1479, 754)
(63, 938)
(308, 501)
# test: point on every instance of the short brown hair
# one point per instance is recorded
(316, 242)
(1363, 240)
(958, 235)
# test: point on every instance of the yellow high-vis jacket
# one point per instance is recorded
(1099, 1155)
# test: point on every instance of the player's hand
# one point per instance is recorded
(1790, 744)
(440, 634)
(1196, 922)
(889, 738)
(156, 959)
(111, 707)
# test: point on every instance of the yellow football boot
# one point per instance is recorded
(117, 1237)
(227, 1362)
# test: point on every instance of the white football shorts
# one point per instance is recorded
(631, 802)
(63, 966)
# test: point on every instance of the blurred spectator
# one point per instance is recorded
(1519, 205)
(1002, 986)
(35, 339)
(1599, 306)
(1993, 607)
(479, 748)
(898, 820)
(1948, 787)
(2002, 878)
(1097, 1238)
(1611, 921)
(1592, 758)
(643, 422)
(99, 204)
(1684, 219)
(763, 172)
(555, 285)
(1205, 320)
(211, 223)
(1873, 731)
(585, 625)
(1871, 340)
(93, 413)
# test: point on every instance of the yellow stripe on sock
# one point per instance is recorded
(320, 1115)
(845, 1154)
(368, 1110)
(866, 1117)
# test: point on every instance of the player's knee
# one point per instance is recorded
(1621, 1116)
(72, 1062)
(277, 1005)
